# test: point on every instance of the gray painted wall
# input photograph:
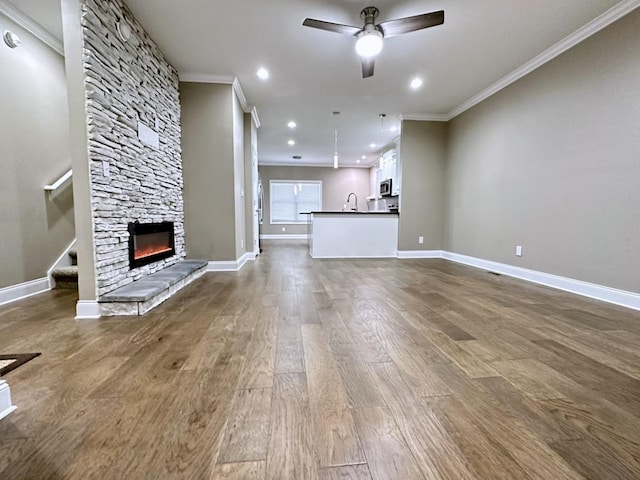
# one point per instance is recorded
(207, 161)
(34, 146)
(336, 186)
(238, 176)
(552, 163)
(250, 180)
(74, 66)
(423, 148)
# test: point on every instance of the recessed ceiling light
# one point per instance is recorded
(11, 39)
(291, 142)
(416, 83)
(262, 74)
(394, 129)
(363, 157)
(292, 124)
(372, 145)
(358, 161)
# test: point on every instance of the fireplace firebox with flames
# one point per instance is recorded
(150, 242)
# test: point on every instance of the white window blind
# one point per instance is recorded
(288, 199)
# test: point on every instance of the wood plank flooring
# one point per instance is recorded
(333, 369)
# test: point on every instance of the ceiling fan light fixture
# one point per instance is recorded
(369, 43)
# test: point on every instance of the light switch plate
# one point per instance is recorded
(518, 250)
(105, 168)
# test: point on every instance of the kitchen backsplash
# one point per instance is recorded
(383, 204)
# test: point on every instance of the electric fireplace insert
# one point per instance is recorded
(150, 242)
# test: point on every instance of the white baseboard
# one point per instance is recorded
(6, 407)
(17, 292)
(231, 265)
(419, 253)
(586, 289)
(351, 257)
(247, 257)
(87, 310)
(292, 236)
(63, 261)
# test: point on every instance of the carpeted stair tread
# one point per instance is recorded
(71, 271)
(66, 277)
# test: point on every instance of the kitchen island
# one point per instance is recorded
(352, 234)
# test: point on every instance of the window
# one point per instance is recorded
(288, 198)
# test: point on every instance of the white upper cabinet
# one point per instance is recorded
(389, 169)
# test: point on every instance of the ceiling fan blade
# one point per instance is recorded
(367, 67)
(399, 26)
(332, 27)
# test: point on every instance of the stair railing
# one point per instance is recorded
(58, 183)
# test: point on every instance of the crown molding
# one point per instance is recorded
(205, 78)
(255, 118)
(224, 80)
(427, 117)
(315, 165)
(237, 87)
(584, 32)
(31, 26)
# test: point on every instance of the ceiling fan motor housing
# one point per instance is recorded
(369, 15)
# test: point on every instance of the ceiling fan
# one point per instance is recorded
(369, 37)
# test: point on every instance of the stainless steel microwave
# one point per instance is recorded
(385, 188)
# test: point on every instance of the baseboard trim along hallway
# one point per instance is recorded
(87, 310)
(293, 236)
(13, 293)
(231, 265)
(402, 254)
(586, 289)
(598, 292)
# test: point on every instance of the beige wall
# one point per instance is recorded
(238, 176)
(208, 169)
(73, 48)
(34, 149)
(336, 186)
(250, 180)
(552, 163)
(423, 186)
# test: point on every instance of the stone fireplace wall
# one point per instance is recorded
(129, 83)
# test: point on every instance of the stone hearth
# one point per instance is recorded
(139, 297)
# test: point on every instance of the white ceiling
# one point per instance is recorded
(314, 72)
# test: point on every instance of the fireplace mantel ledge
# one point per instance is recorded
(138, 297)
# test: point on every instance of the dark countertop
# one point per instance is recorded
(340, 212)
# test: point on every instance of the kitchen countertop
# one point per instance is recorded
(351, 212)
(349, 234)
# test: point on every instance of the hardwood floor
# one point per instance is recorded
(336, 369)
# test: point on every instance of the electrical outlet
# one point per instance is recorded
(105, 168)
(284, 229)
(241, 243)
(518, 250)
(421, 240)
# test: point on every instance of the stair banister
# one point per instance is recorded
(58, 183)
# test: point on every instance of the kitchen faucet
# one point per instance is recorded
(349, 198)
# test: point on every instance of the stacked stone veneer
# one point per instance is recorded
(126, 83)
